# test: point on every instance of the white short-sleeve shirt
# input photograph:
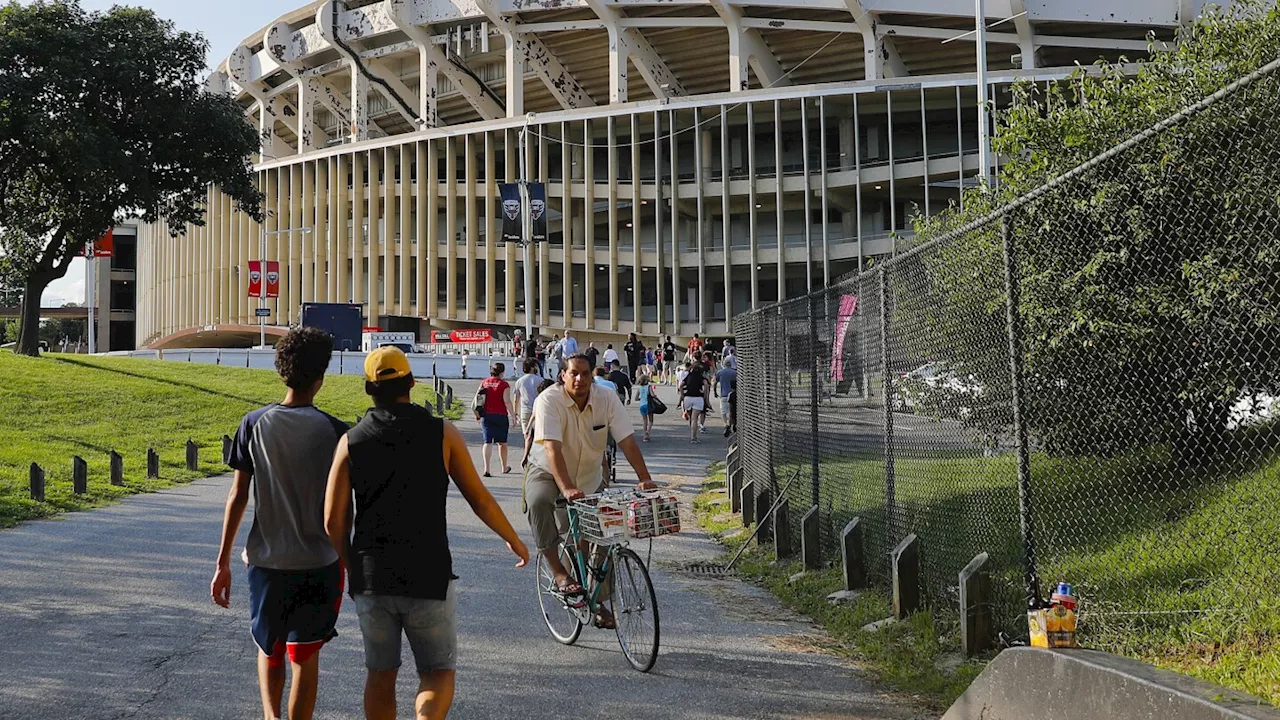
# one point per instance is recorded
(583, 434)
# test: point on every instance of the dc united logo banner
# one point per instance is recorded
(273, 279)
(255, 278)
(511, 220)
(538, 211)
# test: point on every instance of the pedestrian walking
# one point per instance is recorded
(525, 391)
(693, 392)
(669, 350)
(621, 381)
(610, 356)
(495, 414)
(634, 350)
(725, 379)
(555, 356)
(570, 344)
(396, 465)
(280, 455)
(592, 354)
(644, 392)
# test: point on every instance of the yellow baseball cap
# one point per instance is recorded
(386, 363)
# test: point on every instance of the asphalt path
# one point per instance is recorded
(106, 614)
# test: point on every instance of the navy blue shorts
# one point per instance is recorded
(496, 427)
(294, 610)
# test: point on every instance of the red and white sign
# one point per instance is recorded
(463, 336)
(372, 329)
(255, 279)
(106, 245)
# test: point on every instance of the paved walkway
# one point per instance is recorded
(106, 614)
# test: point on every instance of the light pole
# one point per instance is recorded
(526, 232)
(262, 285)
(984, 158)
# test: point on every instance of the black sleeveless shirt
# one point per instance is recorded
(398, 477)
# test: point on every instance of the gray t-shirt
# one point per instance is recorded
(725, 378)
(288, 450)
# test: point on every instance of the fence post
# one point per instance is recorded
(852, 556)
(1025, 503)
(782, 530)
(815, 453)
(79, 475)
(153, 463)
(226, 449)
(886, 387)
(448, 396)
(748, 503)
(906, 577)
(193, 456)
(36, 478)
(810, 540)
(117, 469)
(975, 606)
(764, 520)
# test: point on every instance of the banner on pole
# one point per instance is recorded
(255, 279)
(511, 220)
(848, 306)
(538, 211)
(273, 279)
(105, 246)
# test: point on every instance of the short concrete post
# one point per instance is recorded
(36, 478)
(193, 456)
(226, 449)
(975, 606)
(448, 396)
(153, 463)
(852, 556)
(764, 501)
(79, 475)
(735, 490)
(905, 561)
(811, 540)
(748, 502)
(440, 404)
(731, 460)
(117, 469)
(782, 530)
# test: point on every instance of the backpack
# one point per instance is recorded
(477, 403)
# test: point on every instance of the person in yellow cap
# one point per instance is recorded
(397, 463)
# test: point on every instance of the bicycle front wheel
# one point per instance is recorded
(563, 621)
(635, 607)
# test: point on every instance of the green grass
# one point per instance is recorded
(58, 406)
(920, 656)
(1176, 564)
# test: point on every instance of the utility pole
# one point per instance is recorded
(89, 292)
(984, 151)
(526, 231)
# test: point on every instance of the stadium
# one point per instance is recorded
(701, 157)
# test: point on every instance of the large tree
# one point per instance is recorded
(103, 115)
(1150, 284)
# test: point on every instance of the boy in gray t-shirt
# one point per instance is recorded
(281, 456)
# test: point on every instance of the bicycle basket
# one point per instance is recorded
(612, 517)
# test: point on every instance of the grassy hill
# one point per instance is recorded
(58, 406)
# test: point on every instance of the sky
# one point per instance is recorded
(225, 23)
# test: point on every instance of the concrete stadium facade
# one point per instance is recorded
(702, 157)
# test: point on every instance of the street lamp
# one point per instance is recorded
(262, 286)
(526, 231)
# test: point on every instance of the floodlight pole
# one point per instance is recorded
(526, 232)
(984, 152)
(262, 284)
(89, 290)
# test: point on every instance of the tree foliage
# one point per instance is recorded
(103, 115)
(1150, 284)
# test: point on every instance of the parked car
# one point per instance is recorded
(935, 388)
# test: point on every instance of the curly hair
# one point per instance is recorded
(303, 355)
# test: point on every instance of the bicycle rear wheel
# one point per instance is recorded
(635, 607)
(563, 621)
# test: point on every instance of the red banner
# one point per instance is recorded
(255, 279)
(106, 245)
(464, 336)
(273, 279)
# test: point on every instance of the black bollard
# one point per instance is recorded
(226, 449)
(193, 456)
(153, 463)
(117, 469)
(36, 476)
(79, 475)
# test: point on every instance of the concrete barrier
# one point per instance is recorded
(209, 356)
(261, 359)
(1025, 683)
(424, 365)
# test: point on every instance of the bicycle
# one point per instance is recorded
(609, 519)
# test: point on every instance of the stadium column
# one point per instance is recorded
(725, 224)
(404, 201)
(753, 204)
(570, 157)
(230, 244)
(374, 276)
(544, 248)
(491, 243)
(637, 243)
(673, 176)
(307, 219)
(701, 165)
(432, 238)
(451, 228)
(272, 209)
(613, 218)
(510, 148)
(321, 225)
(660, 265)
(293, 288)
(589, 187)
(421, 234)
(470, 223)
(248, 235)
(341, 241)
(390, 227)
(807, 198)
(357, 234)
(779, 214)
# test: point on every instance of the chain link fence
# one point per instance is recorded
(1082, 384)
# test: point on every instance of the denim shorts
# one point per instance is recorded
(430, 625)
(496, 426)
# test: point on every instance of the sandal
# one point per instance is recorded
(574, 595)
(605, 620)
(507, 470)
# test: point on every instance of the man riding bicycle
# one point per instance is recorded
(572, 425)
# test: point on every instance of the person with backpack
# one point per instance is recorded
(494, 412)
(645, 397)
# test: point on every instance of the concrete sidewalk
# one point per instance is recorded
(106, 614)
